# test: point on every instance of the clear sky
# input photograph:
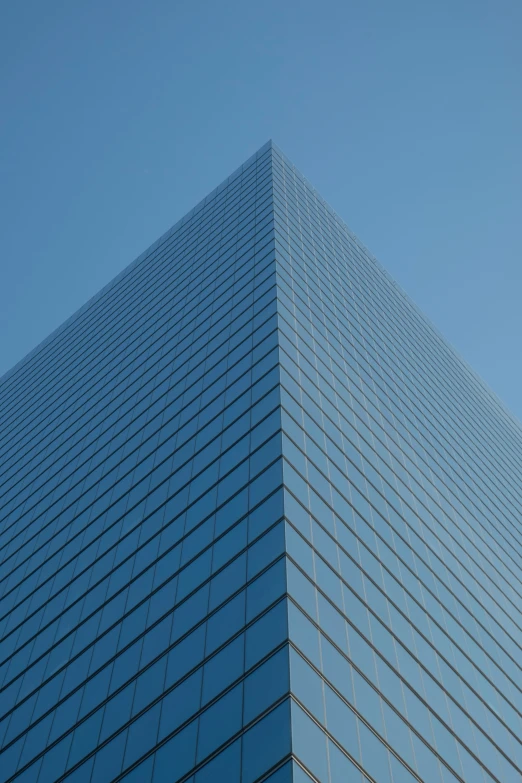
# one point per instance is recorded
(117, 116)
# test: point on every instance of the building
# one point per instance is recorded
(259, 521)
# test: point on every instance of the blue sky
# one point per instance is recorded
(119, 115)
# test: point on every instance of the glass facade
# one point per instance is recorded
(259, 522)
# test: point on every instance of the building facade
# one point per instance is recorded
(259, 522)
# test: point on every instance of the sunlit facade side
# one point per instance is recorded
(402, 481)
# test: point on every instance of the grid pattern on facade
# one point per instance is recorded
(142, 541)
(258, 521)
(402, 478)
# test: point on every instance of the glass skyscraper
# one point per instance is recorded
(259, 522)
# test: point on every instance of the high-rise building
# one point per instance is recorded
(259, 521)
